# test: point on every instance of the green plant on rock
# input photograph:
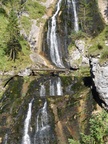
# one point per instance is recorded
(98, 130)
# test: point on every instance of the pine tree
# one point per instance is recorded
(85, 18)
(13, 44)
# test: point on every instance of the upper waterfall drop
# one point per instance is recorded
(76, 26)
(52, 39)
(26, 137)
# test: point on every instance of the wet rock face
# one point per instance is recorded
(100, 79)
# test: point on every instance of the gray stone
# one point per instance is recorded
(78, 55)
(80, 44)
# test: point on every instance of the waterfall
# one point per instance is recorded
(42, 134)
(59, 87)
(26, 137)
(42, 91)
(55, 87)
(76, 26)
(52, 39)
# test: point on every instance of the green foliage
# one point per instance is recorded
(71, 141)
(26, 23)
(98, 46)
(98, 130)
(84, 15)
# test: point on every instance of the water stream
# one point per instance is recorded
(26, 137)
(76, 26)
(52, 39)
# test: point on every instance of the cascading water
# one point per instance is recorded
(55, 87)
(42, 134)
(42, 91)
(76, 26)
(26, 137)
(52, 39)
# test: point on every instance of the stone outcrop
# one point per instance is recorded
(78, 55)
(100, 79)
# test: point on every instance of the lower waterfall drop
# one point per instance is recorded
(52, 88)
(56, 87)
(59, 87)
(42, 134)
(26, 137)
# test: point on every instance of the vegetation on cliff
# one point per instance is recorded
(14, 17)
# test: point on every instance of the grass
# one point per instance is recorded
(98, 46)
(34, 9)
(26, 24)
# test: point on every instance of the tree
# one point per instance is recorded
(13, 44)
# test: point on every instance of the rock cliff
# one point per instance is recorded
(100, 78)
